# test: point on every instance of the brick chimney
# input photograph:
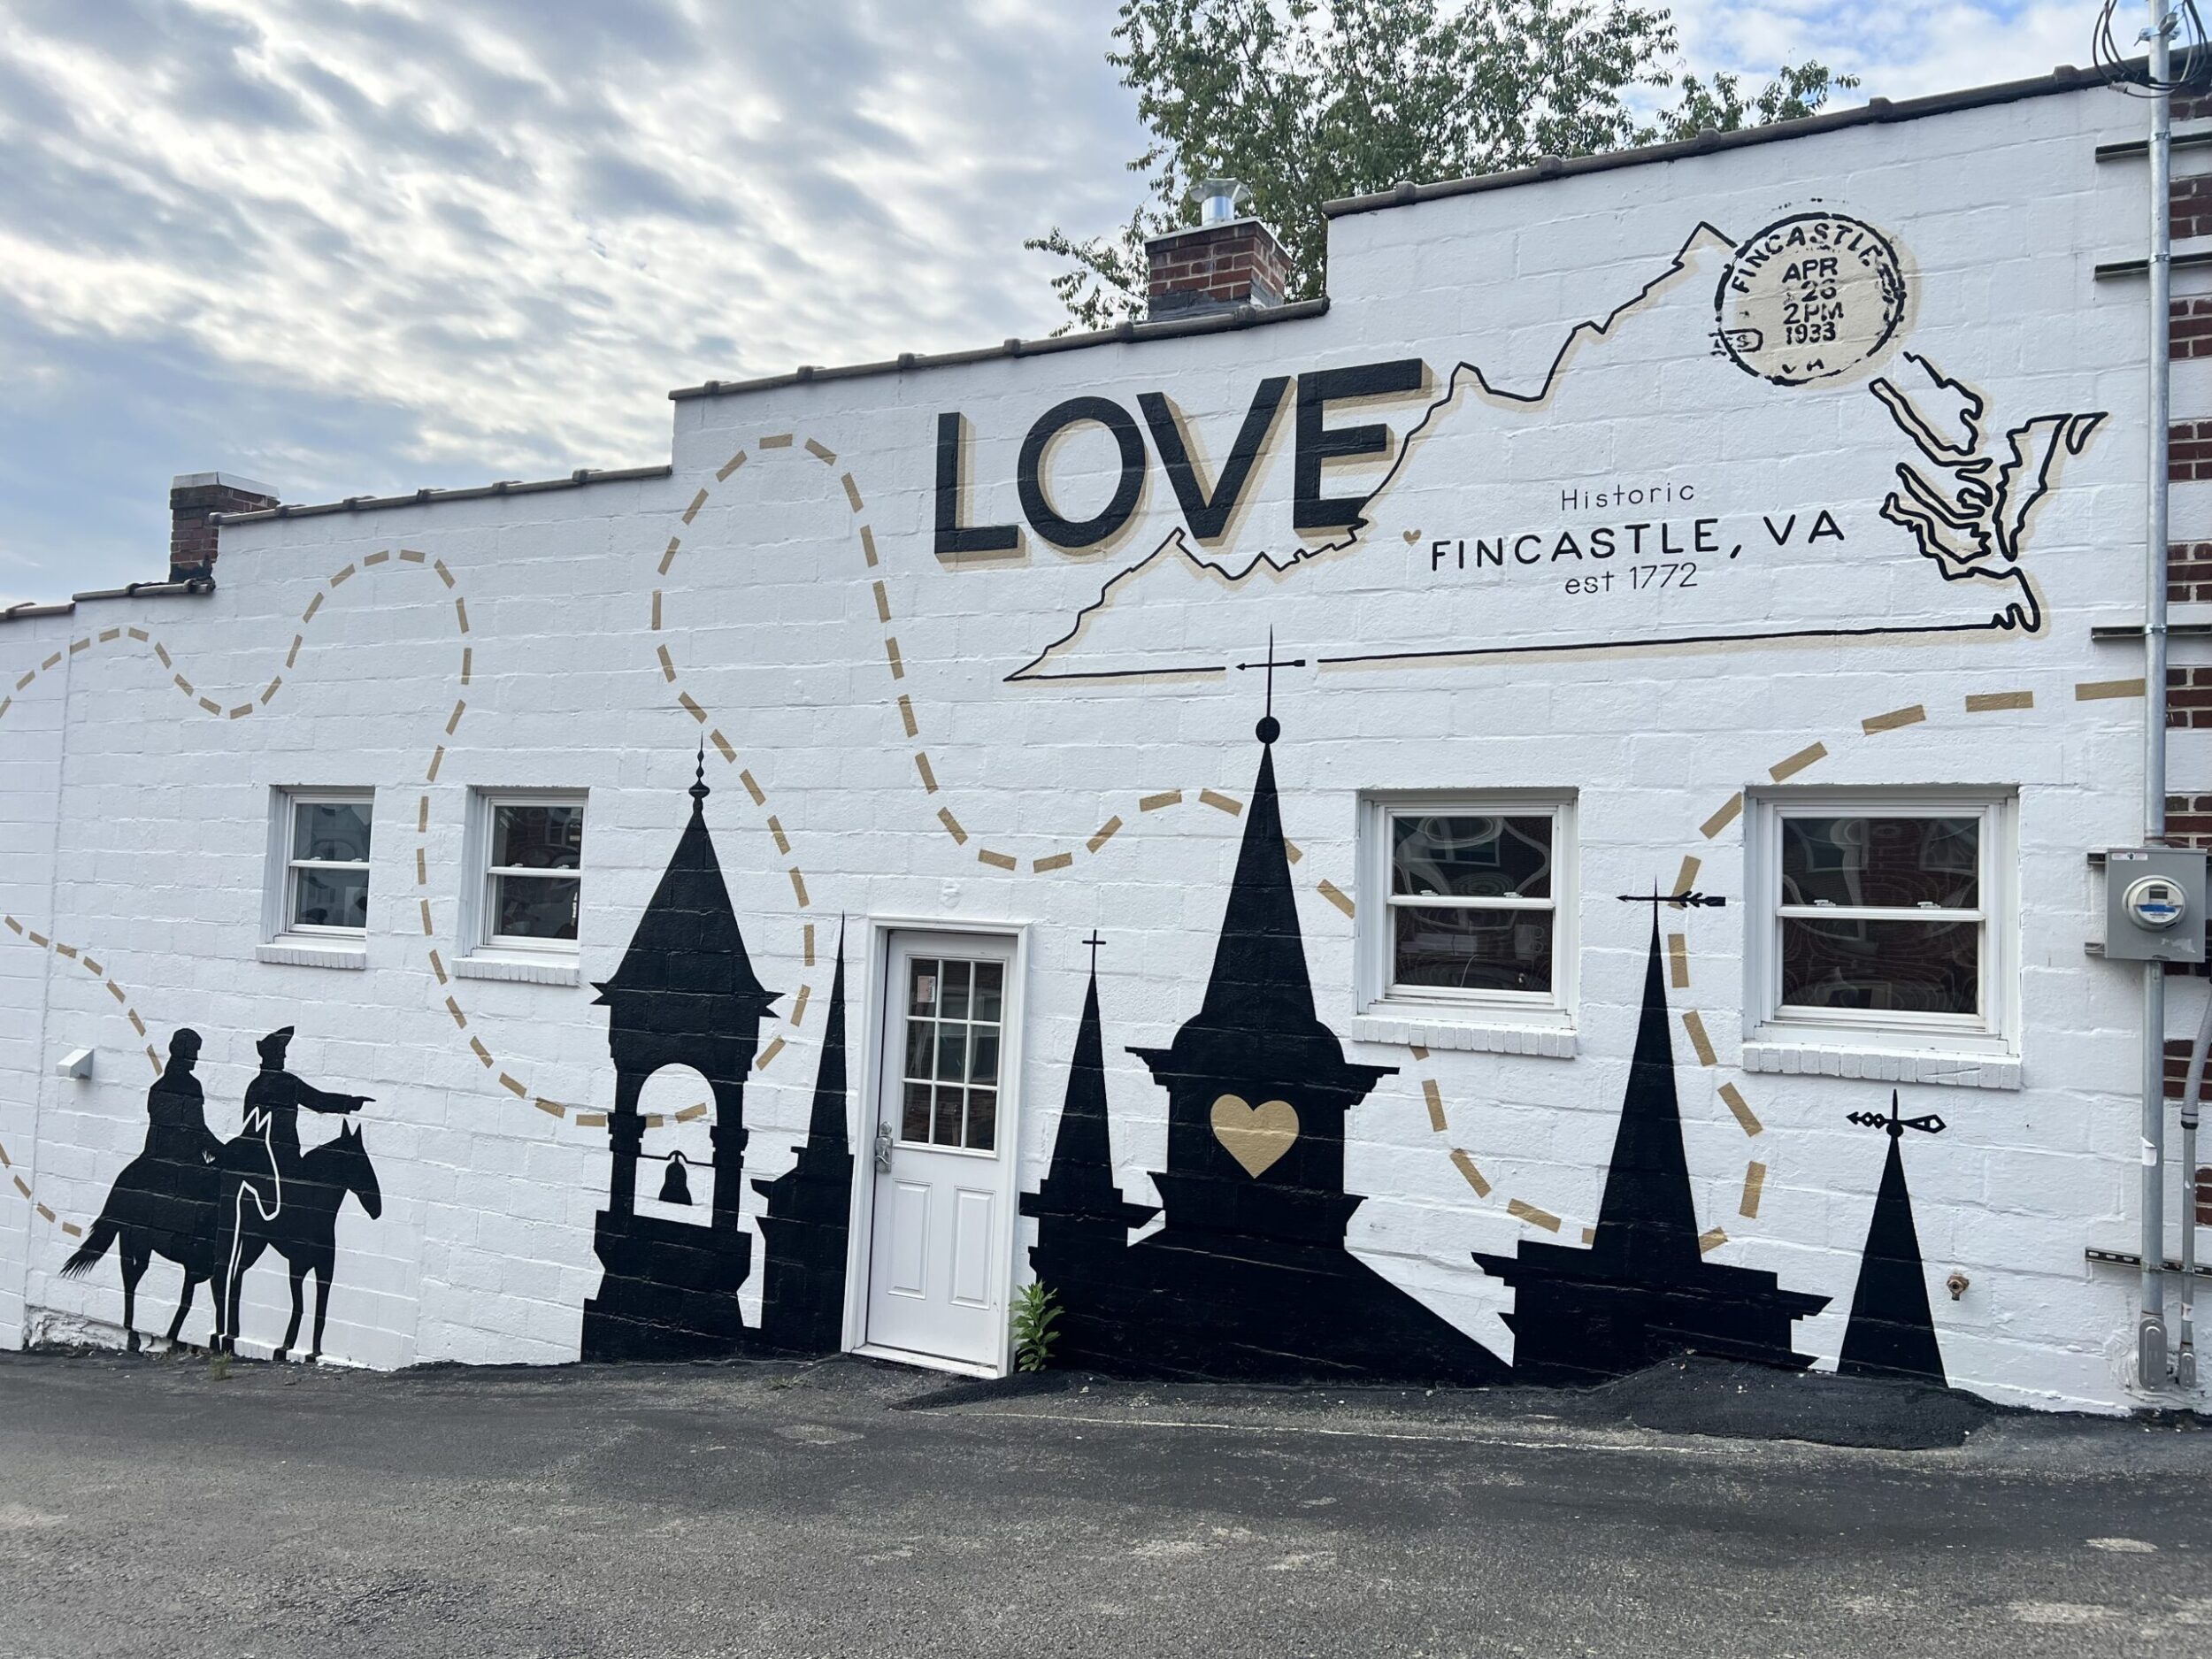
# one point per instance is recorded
(1224, 261)
(192, 497)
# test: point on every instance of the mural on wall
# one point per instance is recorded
(1250, 1274)
(214, 1207)
(1642, 1290)
(685, 995)
(806, 1227)
(1892, 1332)
(1691, 551)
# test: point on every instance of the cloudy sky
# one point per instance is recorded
(353, 246)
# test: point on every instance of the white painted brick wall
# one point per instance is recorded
(484, 1251)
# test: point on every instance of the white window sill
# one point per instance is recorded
(1555, 1042)
(524, 970)
(1960, 1071)
(295, 953)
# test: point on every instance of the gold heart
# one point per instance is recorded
(1255, 1136)
(1411, 536)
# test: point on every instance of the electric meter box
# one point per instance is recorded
(2153, 904)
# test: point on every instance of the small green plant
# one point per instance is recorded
(1036, 1311)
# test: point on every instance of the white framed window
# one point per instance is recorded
(1468, 905)
(319, 885)
(1884, 919)
(527, 857)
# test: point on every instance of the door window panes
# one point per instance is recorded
(327, 864)
(948, 1090)
(535, 885)
(1882, 913)
(1472, 902)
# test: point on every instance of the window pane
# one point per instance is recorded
(1471, 858)
(952, 1052)
(538, 837)
(1917, 967)
(1473, 950)
(922, 985)
(914, 1124)
(921, 1042)
(535, 907)
(983, 1062)
(989, 977)
(982, 1119)
(1902, 862)
(945, 1131)
(329, 898)
(954, 991)
(331, 831)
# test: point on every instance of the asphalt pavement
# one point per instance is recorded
(170, 1506)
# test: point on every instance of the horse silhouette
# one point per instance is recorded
(269, 1201)
(156, 1207)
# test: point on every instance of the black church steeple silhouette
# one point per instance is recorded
(806, 1226)
(1892, 1332)
(684, 994)
(1642, 1291)
(1083, 1221)
(1248, 1274)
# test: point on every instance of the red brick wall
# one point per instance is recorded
(192, 539)
(1221, 262)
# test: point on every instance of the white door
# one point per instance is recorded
(941, 1233)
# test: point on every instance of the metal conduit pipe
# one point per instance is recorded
(2192, 1096)
(2151, 1327)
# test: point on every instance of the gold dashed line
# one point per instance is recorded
(241, 710)
(2100, 690)
(139, 634)
(293, 656)
(269, 690)
(454, 720)
(929, 778)
(1754, 1181)
(482, 1053)
(374, 559)
(722, 745)
(807, 935)
(906, 715)
(1335, 896)
(1105, 833)
(852, 491)
(691, 707)
(210, 705)
(1748, 1119)
(84, 644)
(1723, 818)
(722, 473)
(783, 842)
(591, 1120)
(422, 869)
(115, 991)
(1154, 803)
(668, 664)
(1990, 702)
(769, 1052)
(461, 613)
(827, 457)
(454, 1009)
(61, 949)
(868, 546)
(1465, 1165)
(410, 556)
(437, 966)
(752, 788)
(1221, 802)
(798, 886)
(1527, 1212)
(692, 1113)
(1052, 861)
(883, 603)
(891, 650)
(1435, 1098)
(550, 1108)
(1699, 1040)
(314, 604)
(1893, 719)
(1686, 881)
(997, 861)
(656, 611)
(1710, 1239)
(468, 663)
(1811, 755)
(437, 759)
(669, 558)
(1419, 1053)
(444, 575)
(1679, 961)
(512, 1087)
(697, 502)
(779, 441)
(422, 815)
(52, 662)
(798, 1017)
(427, 929)
(107, 635)
(340, 578)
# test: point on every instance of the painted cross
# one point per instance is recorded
(1680, 901)
(1270, 729)
(1093, 942)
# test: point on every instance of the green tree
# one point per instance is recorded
(1305, 101)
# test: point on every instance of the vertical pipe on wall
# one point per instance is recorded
(2151, 1329)
(2192, 1093)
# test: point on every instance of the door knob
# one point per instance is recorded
(883, 1147)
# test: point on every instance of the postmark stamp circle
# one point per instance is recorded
(1810, 298)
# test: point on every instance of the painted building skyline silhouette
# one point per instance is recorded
(807, 1225)
(1248, 1275)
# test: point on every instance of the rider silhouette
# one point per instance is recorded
(177, 1175)
(274, 1097)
